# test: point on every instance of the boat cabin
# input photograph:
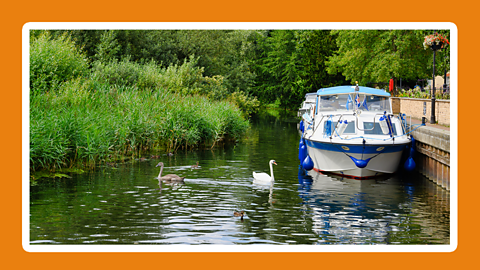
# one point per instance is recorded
(345, 98)
(362, 107)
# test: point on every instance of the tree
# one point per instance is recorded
(108, 47)
(370, 56)
(221, 52)
(279, 67)
(315, 46)
(291, 63)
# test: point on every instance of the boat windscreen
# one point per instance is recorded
(376, 104)
(349, 102)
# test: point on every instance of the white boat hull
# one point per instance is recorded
(332, 158)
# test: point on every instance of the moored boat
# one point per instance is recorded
(310, 99)
(351, 131)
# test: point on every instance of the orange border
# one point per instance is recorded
(15, 15)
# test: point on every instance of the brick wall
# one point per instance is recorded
(414, 108)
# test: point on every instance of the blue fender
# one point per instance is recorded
(302, 152)
(360, 163)
(412, 147)
(307, 163)
(409, 164)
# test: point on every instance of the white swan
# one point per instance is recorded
(263, 176)
(168, 177)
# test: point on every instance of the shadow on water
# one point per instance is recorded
(127, 204)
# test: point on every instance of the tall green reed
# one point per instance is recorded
(88, 122)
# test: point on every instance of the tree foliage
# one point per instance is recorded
(108, 47)
(226, 53)
(272, 65)
(291, 63)
(54, 61)
(315, 48)
(371, 56)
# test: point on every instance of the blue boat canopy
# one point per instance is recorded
(346, 89)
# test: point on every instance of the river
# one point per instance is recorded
(127, 205)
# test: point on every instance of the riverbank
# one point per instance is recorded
(82, 125)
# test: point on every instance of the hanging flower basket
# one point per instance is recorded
(435, 42)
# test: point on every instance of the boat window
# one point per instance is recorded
(377, 130)
(348, 102)
(311, 98)
(378, 103)
(350, 127)
(369, 103)
(334, 103)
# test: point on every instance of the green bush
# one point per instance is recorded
(186, 79)
(246, 104)
(53, 62)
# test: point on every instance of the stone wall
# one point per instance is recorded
(414, 107)
(433, 160)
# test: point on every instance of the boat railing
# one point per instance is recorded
(321, 119)
(338, 123)
(403, 119)
(313, 123)
(367, 129)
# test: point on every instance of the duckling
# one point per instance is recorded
(169, 154)
(143, 159)
(239, 214)
(195, 166)
(154, 156)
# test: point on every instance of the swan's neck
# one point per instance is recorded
(160, 174)
(271, 172)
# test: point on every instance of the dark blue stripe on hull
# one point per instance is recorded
(356, 149)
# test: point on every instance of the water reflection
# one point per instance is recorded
(264, 186)
(379, 211)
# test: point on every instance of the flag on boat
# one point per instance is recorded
(357, 101)
(360, 104)
(364, 103)
(349, 101)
